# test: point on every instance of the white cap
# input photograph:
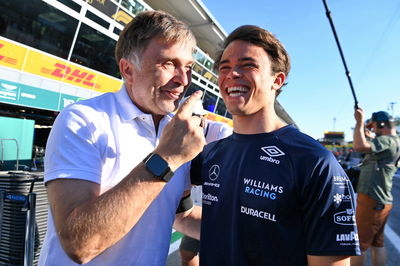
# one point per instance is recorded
(198, 107)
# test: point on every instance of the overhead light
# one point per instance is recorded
(217, 31)
(197, 8)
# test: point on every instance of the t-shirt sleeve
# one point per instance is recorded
(195, 170)
(329, 210)
(380, 144)
(72, 150)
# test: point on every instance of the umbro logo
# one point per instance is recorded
(272, 151)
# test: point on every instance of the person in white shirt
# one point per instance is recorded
(116, 165)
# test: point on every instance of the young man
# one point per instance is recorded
(271, 195)
(374, 200)
(110, 160)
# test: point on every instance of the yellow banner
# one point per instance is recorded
(11, 55)
(215, 117)
(108, 84)
(50, 67)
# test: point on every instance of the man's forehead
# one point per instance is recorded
(240, 59)
(242, 51)
(177, 49)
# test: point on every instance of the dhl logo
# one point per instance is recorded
(63, 71)
(122, 17)
(7, 59)
(38, 63)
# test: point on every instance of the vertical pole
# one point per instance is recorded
(2, 194)
(328, 14)
(30, 229)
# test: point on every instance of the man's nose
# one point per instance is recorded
(234, 73)
(182, 76)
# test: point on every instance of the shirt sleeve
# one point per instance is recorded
(72, 150)
(217, 130)
(380, 144)
(329, 211)
(195, 170)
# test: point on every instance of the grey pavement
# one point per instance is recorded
(174, 259)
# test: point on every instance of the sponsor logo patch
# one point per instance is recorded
(213, 173)
(208, 199)
(339, 198)
(346, 217)
(271, 151)
(258, 213)
(351, 237)
(261, 189)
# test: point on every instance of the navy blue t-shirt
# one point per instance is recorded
(271, 199)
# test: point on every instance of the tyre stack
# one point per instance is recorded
(15, 190)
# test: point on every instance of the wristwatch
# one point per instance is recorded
(158, 167)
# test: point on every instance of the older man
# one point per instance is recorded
(110, 160)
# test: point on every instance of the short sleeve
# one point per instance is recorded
(184, 170)
(329, 211)
(72, 149)
(380, 144)
(195, 170)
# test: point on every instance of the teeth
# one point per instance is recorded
(237, 89)
(236, 94)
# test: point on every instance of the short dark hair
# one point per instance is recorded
(280, 61)
(145, 26)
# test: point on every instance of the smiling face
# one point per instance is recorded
(157, 85)
(245, 79)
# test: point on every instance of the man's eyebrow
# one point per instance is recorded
(240, 60)
(224, 61)
(246, 59)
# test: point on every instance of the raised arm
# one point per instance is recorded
(360, 142)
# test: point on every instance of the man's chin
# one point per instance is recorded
(169, 109)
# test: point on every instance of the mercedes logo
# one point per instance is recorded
(214, 172)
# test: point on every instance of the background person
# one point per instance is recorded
(110, 159)
(271, 194)
(374, 199)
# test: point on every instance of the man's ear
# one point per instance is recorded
(279, 80)
(127, 69)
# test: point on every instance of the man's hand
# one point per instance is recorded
(183, 137)
(360, 142)
(359, 115)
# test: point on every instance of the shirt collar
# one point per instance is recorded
(128, 109)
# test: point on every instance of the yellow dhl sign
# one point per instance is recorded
(13, 55)
(219, 118)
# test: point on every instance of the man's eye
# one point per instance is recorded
(249, 65)
(223, 68)
(169, 65)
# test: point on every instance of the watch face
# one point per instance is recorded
(157, 165)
